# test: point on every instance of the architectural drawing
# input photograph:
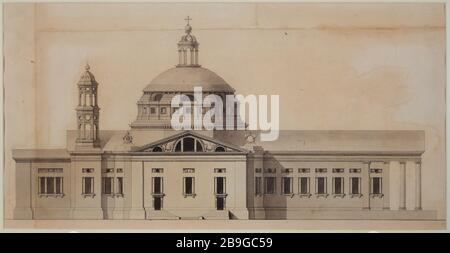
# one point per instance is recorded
(151, 171)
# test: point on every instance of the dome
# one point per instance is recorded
(87, 79)
(184, 79)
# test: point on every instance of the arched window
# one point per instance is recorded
(220, 149)
(188, 144)
(157, 149)
(178, 147)
(199, 146)
(191, 97)
(157, 97)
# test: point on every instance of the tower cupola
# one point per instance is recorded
(87, 110)
(188, 48)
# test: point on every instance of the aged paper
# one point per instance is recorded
(89, 141)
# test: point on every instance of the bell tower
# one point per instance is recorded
(87, 111)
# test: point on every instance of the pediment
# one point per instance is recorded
(189, 141)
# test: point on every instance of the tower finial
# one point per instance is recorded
(188, 28)
(188, 19)
(87, 67)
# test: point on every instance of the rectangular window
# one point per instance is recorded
(188, 170)
(355, 185)
(270, 170)
(107, 185)
(157, 203)
(58, 185)
(220, 203)
(376, 170)
(119, 186)
(152, 110)
(157, 185)
(338, 185)
(220, 170)
(304, 170)
(321, 170)
(220, 190)
(321, 185)
(163, 110)
(376, 185)
(157, 190)
(157, 170)
(108, 171)
(304, 185)
(88, 185)
(220, 185)
(188, 186)
(338, 170)
(287, 185)
(258, 186)
(42, 188)
(270, 185)
(50, 185)
(88, 170)
(287, 170)
(50, 170)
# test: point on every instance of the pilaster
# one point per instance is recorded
(394, 185)
(365, 185)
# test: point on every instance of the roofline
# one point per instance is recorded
(22, 155)
(347, 153)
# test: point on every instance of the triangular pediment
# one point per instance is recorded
(189, 141)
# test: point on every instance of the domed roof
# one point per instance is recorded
(87, 79)
(184, 79)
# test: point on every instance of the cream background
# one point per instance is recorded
(335, 66)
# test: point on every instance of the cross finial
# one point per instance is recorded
(188, 19)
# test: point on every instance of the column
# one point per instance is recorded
(196, 56)
(365, 185)
(394, 185)
(410, 190)
(79, 96)
(418, 200)
(385, 185)
(402, 182)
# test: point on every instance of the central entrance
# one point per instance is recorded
(220, 192)
(220, 203)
